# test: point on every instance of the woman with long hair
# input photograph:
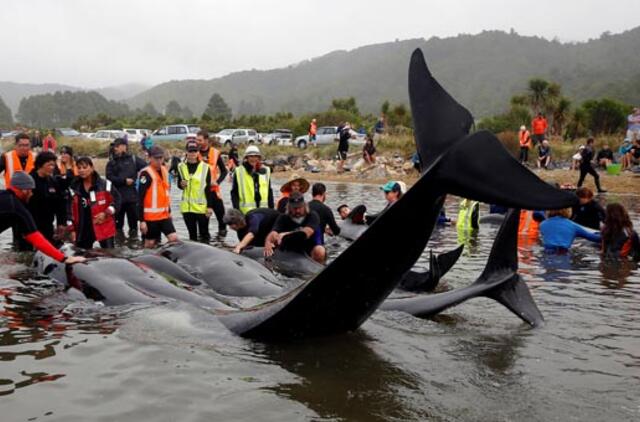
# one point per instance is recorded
(93, 206)
(619, 240)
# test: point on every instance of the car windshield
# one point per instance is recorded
(225, 132)
(193, 129)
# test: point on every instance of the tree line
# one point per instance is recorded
(591, 117)
(88, 111)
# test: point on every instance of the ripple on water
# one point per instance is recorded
(75, 360)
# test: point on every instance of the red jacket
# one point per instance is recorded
(102, 199)
(539, 125)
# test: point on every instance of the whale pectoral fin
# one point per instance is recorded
(479, 167)
(438, 118)
(445, 261)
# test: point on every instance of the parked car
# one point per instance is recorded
(67, 132)
(278, 137)
(135, 135)
(224, 135)
(242, 136)
(108, 135)
(175, 133)
(325, 135)
(8, 134)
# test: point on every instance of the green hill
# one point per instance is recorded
(483, 71)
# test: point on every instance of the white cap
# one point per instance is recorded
(523, 127)
(252, 150)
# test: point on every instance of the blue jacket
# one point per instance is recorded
(559, 232)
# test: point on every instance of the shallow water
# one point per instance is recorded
(66, 360)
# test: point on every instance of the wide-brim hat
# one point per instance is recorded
(304, 184)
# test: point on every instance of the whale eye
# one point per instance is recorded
(49, 268)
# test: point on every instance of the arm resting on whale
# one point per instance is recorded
(246, 241)
(42, 244)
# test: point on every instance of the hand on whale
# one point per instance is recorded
(225, 272)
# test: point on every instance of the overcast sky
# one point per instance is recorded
(100, 43)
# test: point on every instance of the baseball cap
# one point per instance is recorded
(119, 141)
(296, 200)
(156, 152)
(391, 186)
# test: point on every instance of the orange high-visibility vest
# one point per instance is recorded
(214, 154)
(528, 226)
(525, 138)
(156, 200)
(12, 164)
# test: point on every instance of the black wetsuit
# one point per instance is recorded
(326, 217)
(589, 215)
(14, 214)
(260, 223)
(47, 203)
(587, 168)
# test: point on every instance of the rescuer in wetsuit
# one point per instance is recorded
(13, 213)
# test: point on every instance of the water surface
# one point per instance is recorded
(64, 359)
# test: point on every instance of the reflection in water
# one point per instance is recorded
(343, 377)
(615, 274)
(497, 353)
(473, 362)
(26, 322)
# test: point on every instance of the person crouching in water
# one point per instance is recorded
(194, 178)
(619, 240)
(154, 201)
(558, 232)
(298, 218)
(93, 206)
(253, 228)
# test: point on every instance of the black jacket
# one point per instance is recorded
(48, 202)
(123, 167)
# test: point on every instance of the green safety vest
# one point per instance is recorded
(465, 215)
(194, 197)
(246, 189)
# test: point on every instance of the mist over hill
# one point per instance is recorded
(482, 71)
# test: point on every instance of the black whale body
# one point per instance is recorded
(343, 295)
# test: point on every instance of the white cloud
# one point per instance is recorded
(99, 43)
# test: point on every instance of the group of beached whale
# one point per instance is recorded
(342, 295)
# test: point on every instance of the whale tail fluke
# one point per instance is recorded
(499, 281)
(513, 293)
